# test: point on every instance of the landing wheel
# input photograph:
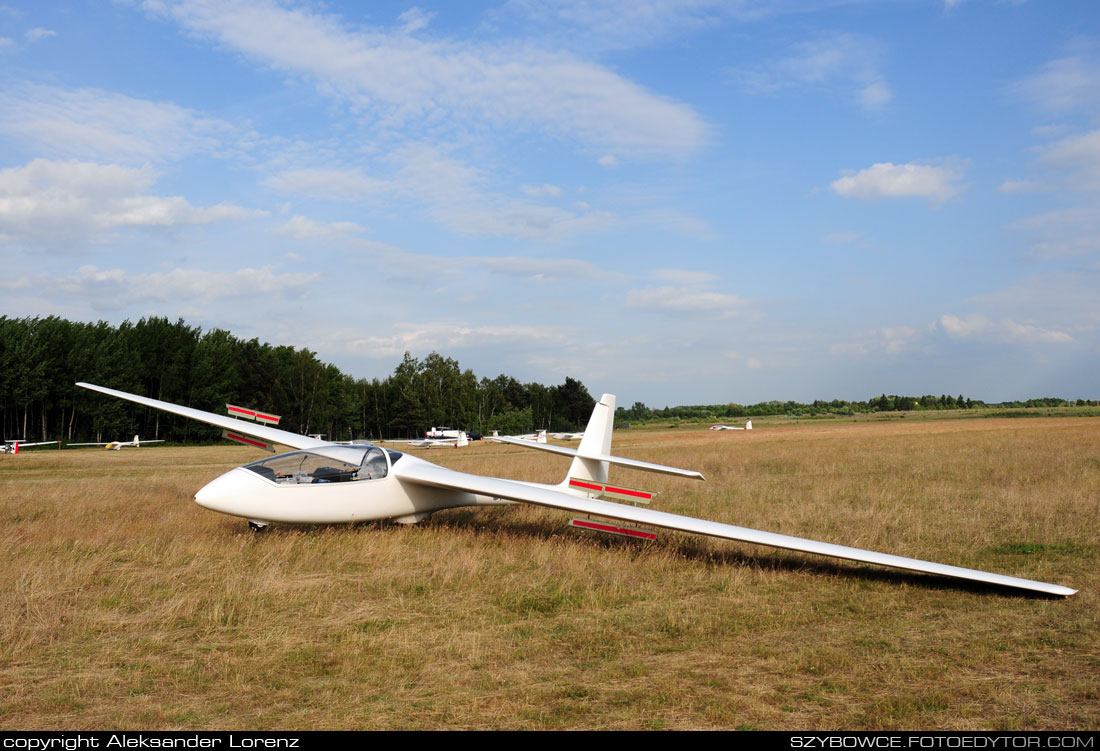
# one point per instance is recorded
(255, 527)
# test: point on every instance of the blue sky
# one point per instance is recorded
(677, 202)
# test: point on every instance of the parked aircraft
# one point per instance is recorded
(117, 445)
(13, 446)
(460, 441)
(748, 426)
(321, 482)
(568, 436)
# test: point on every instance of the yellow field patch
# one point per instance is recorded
(124, 604)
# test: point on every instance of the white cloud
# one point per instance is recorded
(1062, 233)
(614, 24)
(421, 338)
(1018, 186)
(683, 276)
(607, 160)
(400, 80)
(347, 185)
(686, 300)
(415, 19)
(542, 191)
(303, 228)
(496, 217)
(91, 123)
(887, 180)
(1079, 157)
(842, 238)
(51, 199)
(114, 289)
(978, 326)
(6, 42)
(37, 34)
(1067, 84)
(845, 62)
(544, 269)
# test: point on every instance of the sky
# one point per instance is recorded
(676, 201)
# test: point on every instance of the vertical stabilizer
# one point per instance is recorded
(596, 442)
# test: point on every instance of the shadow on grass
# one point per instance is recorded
(488, 523)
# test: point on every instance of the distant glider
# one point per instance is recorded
(321, 483)
(748, 426)
(117, 445)
(12, 446)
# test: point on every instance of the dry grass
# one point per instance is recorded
(125, 605)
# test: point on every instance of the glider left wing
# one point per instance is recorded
(429, 474)
(256, 430)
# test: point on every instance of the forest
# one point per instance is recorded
(41, 359)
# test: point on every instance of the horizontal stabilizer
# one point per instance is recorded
(617, 460)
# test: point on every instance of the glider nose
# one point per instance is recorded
(224, 493)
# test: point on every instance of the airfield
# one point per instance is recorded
(123, 604)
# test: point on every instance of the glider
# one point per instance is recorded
(748, 426)
(323, 482)
(117, 445)
(13, 446)
(459, 441)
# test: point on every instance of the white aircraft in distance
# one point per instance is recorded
(748, 426)
(322, 483)
(458, 442)
(117, 445)
(539, 437)
(568, 436)
(13, 446)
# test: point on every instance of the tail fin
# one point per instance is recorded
(136, 441)
(596, 442)
(463, 440)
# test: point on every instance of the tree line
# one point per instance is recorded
(41, 359)
(640, 413)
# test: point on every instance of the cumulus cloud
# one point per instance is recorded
(1067, 84)
(114, 289)
(1062, 233)
(96, 124)
(842, 62)
(978, 326)
(301, 227)
(349, 185)
(402, 80)
(886, 180)
(683, 276)
(686, 300)
(38, 33)
(55, 199)
(542, 191)
(544, 269)
(449, 337)
(1078, 157)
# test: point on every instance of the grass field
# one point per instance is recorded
(125, 605)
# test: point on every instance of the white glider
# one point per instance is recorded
(13, 446)
(323, 482)
(117, 445)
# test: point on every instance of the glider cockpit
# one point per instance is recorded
(326, 464)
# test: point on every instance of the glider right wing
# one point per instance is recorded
(430, 474)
